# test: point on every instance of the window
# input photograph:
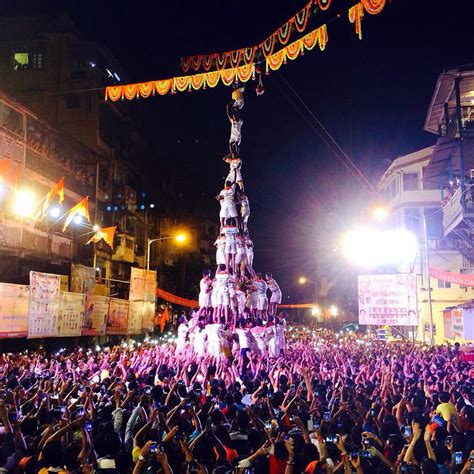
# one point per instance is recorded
(27, 60)
(73, 101)
(410, 181)
(444, 284)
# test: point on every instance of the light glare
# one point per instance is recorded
(24, 204)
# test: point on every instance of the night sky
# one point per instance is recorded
(372, 95)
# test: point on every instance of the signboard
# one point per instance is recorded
(427, 328)
(117, 316)
(388, 299)
(135, 316)
(44, 305)
(14, 310)
(448, 324)
(458, 324)
(71, 310)
(142, 285)
(82, 279)
(94, 321)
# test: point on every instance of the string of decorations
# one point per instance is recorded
(244, 73)
(298, 22)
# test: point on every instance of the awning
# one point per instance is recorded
(439, 163)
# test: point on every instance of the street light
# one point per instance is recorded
(24, 204)
(315, 311)
(179, 238)
(333, 311)
(380, 213)
(368, 247)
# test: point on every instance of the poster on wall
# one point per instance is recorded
(458, 324)
(448, 324)
(82, 279)
(71, 310)
(135, 316)
(148, 319)
(96, 309)
(14, 310)
(388, 299)
(44, 305)
(117, 316)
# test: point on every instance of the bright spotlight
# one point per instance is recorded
(366, 247)
(315, 311)
(333, 311)
(181, 238)
(24, 204)
(302, 280)
(77, 219)
(54, 212)
(95, 228)
(380, 213)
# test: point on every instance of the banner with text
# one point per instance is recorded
(14, 310)
(71, 310)
(388, 299)
(44, 305)
(96, 309)
(117, 316)
(82, 279)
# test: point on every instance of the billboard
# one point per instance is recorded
(14, 310)
(82, 279)
(44, 304)
(95, 315)
(117, 316)
(71, 310)
(388, 299)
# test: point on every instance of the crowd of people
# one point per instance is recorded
(327, 403)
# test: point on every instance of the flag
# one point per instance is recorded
(56, 190)
(80, 209)
(107, 234)
(9, 172)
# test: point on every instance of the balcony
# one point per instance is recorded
(458, 213)
(24, 240)
(124, 250)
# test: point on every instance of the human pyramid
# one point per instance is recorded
(235, 301)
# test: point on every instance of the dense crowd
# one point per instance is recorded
(327, 403)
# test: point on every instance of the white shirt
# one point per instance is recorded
(228, 194)
(244, 341)
(221, 279)
(204, 285)
(244, 205)
(235, 130)
(273, 286)
(230, 232)
(261, 287)
(241, 245)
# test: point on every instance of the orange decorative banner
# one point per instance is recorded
(356, 13)
(107, 234)
(295, 49)
(181, 84)
(460, 279)
(164, 295)
(80, 209)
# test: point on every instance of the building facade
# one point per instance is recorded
(413, 198)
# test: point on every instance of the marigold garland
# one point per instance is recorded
(373, 7)
(301, 18)
(323, 4)
(356, 13)
(284, 32)
(146, 89)
(163, 86)
(212, 78)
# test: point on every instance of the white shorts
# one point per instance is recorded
(230, 246)
(276, 297)
(222, 297)
(228, 210)
(204, 300)
(214, 299)
(220, 257)
(250, 258)
(252, 301)
(241, 257)
(262, 303)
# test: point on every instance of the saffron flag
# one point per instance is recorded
(107, 234)
(56, 190)
(9, 172)
(80, 209)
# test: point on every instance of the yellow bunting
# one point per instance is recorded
(146, 89)
(356, 13)
(113, 93)
(163, 86)
(130, 91)
(228, 76)
(373, 7)
(212, 78)
(182, 83)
